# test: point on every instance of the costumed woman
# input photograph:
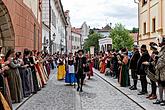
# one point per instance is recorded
(61, 68)
(124, 71)
(14, 79)
(70, 74)
(4, 86)
(103, 64)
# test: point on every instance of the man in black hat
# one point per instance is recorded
(133, 65)
(80, 65)
(141, 69)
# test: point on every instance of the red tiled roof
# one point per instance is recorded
(76, 30)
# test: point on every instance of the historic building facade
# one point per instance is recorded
(76, 39)
(20, 24)
(69, 33)
(54, 18)
(151, 20)
(84, 30)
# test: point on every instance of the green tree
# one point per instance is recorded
(121, 37)
(92, 40)
(134, 30)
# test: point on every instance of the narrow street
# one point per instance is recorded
(97, 95)
(55, 96)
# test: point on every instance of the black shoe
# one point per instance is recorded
(134, 88)
(78, 88)
(158, 102)
(81, 90)
(162, 103)
(131, 87)
(142, 93)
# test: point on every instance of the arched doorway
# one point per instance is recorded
(7, 39)
(102, 48)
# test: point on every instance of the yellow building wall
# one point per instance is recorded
(147, 12)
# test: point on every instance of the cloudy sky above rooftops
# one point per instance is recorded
(98, 13)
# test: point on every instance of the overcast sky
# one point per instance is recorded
(98, 13)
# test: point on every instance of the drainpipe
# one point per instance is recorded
(137, 2)
(50, 40)
(66, 40)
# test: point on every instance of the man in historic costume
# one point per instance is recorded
(141, 69)
(133, 65)
(150, 70)
(160, 72)
(80, 65)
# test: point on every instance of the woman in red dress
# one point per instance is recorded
(103, 64)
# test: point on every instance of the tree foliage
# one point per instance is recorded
(134, 30)
(92, 40)
(121, 37)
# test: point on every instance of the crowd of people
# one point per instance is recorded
(117, 64)
(22, 74)
(74, 68)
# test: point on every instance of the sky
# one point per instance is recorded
(98, 13)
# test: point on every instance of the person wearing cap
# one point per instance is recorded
(141, 69)
(150, 70)
(133, 64)
(70, 74)
(80, 65)
(160, 72)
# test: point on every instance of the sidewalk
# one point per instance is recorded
(140, 100)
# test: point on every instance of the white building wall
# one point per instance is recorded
(57, 25)
(45, 37)
(76, 43)
(59, 30)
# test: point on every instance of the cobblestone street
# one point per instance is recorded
(55, 96)
(97, 95)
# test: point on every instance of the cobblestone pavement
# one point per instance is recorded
(55, 96)
(141, 100)
(98, 95)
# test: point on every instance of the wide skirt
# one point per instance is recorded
(124, 76)
(15, 85)
(70, 75)
(3, 103)
(61, 72)
(103, 67)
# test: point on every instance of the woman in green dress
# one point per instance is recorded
(14, 79)
(124, 71)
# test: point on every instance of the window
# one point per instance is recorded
(153, 25)
(35, 37)
(38, 39)
(144, 27)
(144, 2)
(75, 38)
(72, 38)
(53, 19)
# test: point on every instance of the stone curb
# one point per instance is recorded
(135, 99)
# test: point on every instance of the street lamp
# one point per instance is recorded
(137, 2)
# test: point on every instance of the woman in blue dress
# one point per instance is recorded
(70, 74)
